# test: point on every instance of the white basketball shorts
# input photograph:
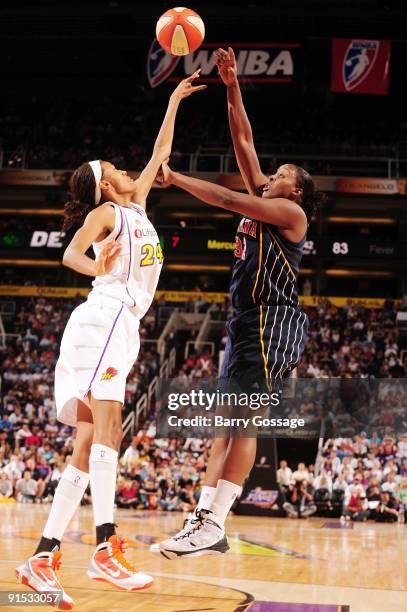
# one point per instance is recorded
(98, 348)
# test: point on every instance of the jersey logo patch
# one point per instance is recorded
(110, 372)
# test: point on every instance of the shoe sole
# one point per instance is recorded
(63, 605)
(219, 549)
(111, 581)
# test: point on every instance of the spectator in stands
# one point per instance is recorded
(130, 454)
(356, 507)
(127, 496)
(390, 483)
(301, 502)
(386, 511)
(35, 438)
(323, 481)
(6, 488)
(284, 476)
(5, 424)
(401, 494)
(26, 488)
(301, 473)
(14, 468)
(23, 433)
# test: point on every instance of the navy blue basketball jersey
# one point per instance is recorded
(268, 331)
(266, 267)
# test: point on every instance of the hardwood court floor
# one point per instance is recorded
(314, 562)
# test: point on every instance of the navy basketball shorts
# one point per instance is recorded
(264, 344)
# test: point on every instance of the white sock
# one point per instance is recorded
(206, 497)
(102, 468)
(67, 498)
(226, 493)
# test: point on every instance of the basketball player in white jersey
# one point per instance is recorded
(99, 346)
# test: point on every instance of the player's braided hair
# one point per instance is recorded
(81, 197)
(311, 199)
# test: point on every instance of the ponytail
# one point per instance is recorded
(81, 197)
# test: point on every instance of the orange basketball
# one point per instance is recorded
(180, 31)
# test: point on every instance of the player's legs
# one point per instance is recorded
(39, 571)
(213, 474)
(108, 562)
(107, 435)
(239, 460)
(230, 463)
(72, 485)
(219, 450)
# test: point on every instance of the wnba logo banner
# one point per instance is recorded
(256, 63)
(360, 66)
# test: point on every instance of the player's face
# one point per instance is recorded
(282, 184)
(118, 179)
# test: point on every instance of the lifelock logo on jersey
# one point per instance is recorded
(261, 63)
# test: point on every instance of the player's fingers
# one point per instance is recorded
(106, 248)
(220, 58)
(198, 88)
(232, 54)
(117, 247)
(193, 76)
(222, 51)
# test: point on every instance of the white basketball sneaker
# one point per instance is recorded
(201, 537)
(108, 563)
(188, 522)
(39, 572)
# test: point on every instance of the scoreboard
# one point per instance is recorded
(201, 242)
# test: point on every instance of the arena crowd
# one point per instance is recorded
(360, 476)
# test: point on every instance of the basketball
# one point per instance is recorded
(180, 31)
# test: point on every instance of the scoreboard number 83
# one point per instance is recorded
(340, 248)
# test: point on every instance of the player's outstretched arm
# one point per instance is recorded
(239, 123)
(281, 212)
(163, 143)
(97, 221)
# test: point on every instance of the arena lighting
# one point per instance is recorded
(203, 215)
(31, 211)
(366, 220)
(198, 268)
(358, 273)
(49, 263)
(308, 271)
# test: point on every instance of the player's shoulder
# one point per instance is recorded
(103, 215)
(106, 210)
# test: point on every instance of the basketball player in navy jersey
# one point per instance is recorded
(268, 331)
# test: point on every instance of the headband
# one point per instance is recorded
(97, 173)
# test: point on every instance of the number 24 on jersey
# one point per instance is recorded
(150, 253)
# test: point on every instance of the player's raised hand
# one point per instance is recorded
(107, 258)
(185, 88)
(226, 64)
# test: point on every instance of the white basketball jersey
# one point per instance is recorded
(134, 277)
